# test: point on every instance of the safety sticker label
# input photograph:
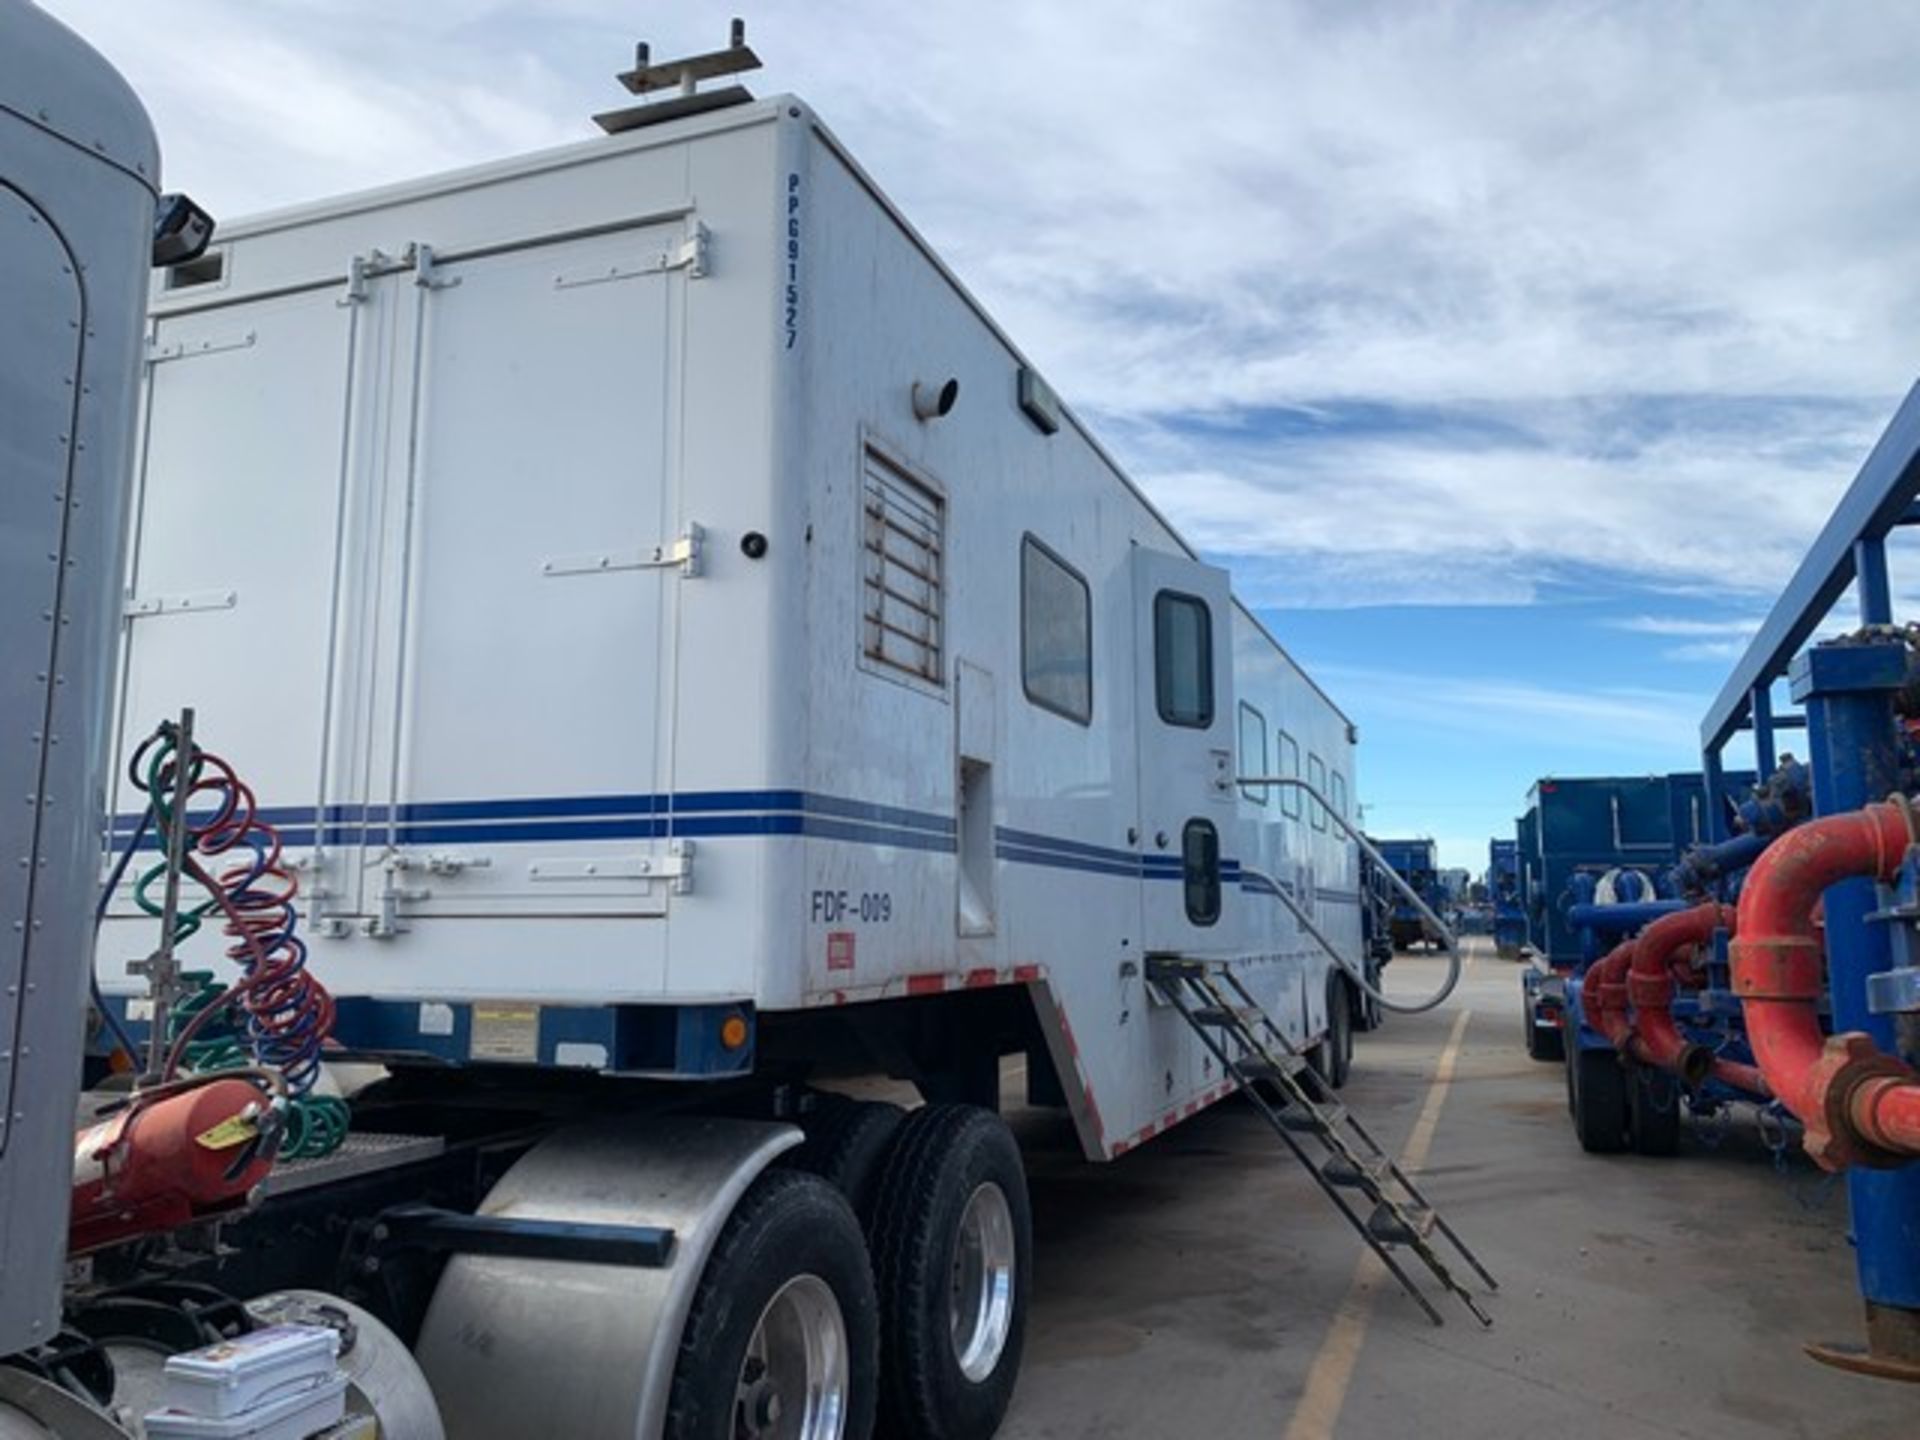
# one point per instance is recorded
(505, 1032)
(840, 950)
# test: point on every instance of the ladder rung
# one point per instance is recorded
(1323, 1118)
(1233, 1035)
(1400, 1225)
(1254, 1069)
(1227, 1017)
(1339, 1170)
(1174, 967)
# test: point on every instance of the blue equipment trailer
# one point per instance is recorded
(1503, 895)
(1413, 861)
(1594, 853)
(1859, 700)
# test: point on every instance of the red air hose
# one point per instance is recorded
(1860, 1105)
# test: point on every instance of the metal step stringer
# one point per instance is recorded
(1252, 1050)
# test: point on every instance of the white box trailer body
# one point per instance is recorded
(556, 548)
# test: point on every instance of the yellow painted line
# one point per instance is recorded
(1331, 1373)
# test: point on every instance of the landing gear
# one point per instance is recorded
(952, 1244)
(782, 1340)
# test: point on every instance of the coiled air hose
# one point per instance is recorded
(277, 1016)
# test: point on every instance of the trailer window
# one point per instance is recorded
(1200, 869)
(1339, 794)
(1289, 765)
(1056, 633)
(1183, 659)
(1253, 751)
(903, 556)
(1317, 778)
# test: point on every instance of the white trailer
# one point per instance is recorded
(693, 654)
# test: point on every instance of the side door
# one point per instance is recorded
(1184, 710)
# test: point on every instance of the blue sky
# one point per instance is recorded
(1509, 353)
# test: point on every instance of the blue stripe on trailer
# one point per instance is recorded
(704, 814)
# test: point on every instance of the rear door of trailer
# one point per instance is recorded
(447, 622)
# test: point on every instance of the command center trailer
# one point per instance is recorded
(688, 654)
(559, 544)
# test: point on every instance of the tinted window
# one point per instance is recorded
(1339, 794)
(1317, 778)
(1253, 751)
(1290, 765)
(1056, 633)
(1183, 659)
(1200, 869)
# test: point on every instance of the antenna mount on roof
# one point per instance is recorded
(682, 77)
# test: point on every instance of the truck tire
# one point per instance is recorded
(953, 1261)
(1544, 1042)
(784, 1320)
(1339, 1041)
(1566, 1057)
(1653, 1111)
(1600, 1116)
(846, 1145)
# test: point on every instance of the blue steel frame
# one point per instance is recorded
(1846, 689)
(1850, 550)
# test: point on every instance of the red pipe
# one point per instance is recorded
(1860, 1106)
(1741, 1077)
(1604, 996)
(1656, 1040)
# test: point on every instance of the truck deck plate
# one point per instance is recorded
(359, 1154)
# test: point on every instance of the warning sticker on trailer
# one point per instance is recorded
(505, 1032)
(840, 950)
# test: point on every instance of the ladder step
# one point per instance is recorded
(1339, 1170)
(1174, 967)
(1226, 1017)
(1320, 1118)
(1250, 1048)
(1401, 1225)
(1250, 1070)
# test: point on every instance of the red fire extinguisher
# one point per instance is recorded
(168, 1159)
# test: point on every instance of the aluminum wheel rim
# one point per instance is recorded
(794, 1377)
(980, 1306)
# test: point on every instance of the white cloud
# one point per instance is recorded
(1711, 650)
(1540, 288)
(1621, 720)
(1679, 625)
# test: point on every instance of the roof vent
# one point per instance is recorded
(682, 78)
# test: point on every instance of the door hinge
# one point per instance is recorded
(135, 608)
(675, 868)
(692, 251)
(426, 268)
(1222, 780)
(360, 269)
(682, 554)
(188, 349)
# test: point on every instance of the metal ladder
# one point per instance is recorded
(1251, 1048)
